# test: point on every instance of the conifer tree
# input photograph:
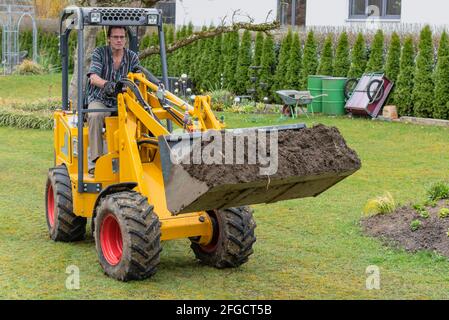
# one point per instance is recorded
(326, 67)
(424, 86)
(268, 64)
(243, 64)
(376, 57)
(294, 64)
(230, 61)
(404, 86)
(393, 58)
(258, 49)
(358, 57)
(281, 69)
(392, 65)
(441, 102)
(310, 59)
(342, 62)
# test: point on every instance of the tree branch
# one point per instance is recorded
(210, 33)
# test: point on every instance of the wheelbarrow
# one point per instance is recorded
(295, 100)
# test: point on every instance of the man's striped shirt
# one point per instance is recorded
(103, 66)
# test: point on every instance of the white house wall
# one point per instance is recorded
(336, 12)
(327, 12)
(205, 12)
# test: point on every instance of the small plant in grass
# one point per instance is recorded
(415, 225)
(421, 210)
(431, 203)
(443, 213)
(438, 190)
(28, 67)
(381, 205)
(424, 214)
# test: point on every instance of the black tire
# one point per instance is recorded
(233, 238)
(375, 93)
(139, 232)
(63, 224)
(350, 86)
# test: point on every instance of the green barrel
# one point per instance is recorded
(334, 102)
(315, 86)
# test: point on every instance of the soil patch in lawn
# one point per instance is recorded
(394, 229)
(306, 152)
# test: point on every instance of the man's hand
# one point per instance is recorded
(109, 88)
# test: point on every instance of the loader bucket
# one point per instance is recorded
(223, 169)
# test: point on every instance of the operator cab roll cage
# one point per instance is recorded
(77, 18)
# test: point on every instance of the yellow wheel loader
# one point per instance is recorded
(144, 189)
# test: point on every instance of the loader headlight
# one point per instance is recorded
(95, 17)
(153, 19)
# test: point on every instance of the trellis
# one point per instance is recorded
(12, 13)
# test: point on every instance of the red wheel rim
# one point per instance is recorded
(50, 206)
(111, 240)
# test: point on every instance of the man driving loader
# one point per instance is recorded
(109, 64)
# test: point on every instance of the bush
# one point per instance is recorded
(326, 67)
(443, 213)
(342, 62)
(221, 99)
(376, 57)
(441, 102)
(28, 67)
(415, 225)
(404, 87)
(294, 64)
(380, 205)
(438, 190)
(358, 55)
(392, 66)
(310, 59)
(424, 87)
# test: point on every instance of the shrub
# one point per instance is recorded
(294, 63)
(424, 87)
(282, 66)
(310, 59)
(244, 61)
(342, 62)
(358, 64)
(327, 58)
(221, 99)
(381, 205)
(441, 102)
(376, 58)
(424, 214)
(28, 67)
(443, 213)
(392, 66)
(268, 63)
(415, 225)
(438, 190)
(404, 87)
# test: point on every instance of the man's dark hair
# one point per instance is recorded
(115, 27)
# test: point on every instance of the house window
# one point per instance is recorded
(286, 11)
(385, 9)
(168, 8)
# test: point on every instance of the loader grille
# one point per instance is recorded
(123, 16)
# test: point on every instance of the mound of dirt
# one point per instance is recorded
(306, 152)
(394, 229)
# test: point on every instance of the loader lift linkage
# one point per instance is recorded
(137, 198)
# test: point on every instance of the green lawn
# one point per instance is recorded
(30, 88)
(309, 248)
